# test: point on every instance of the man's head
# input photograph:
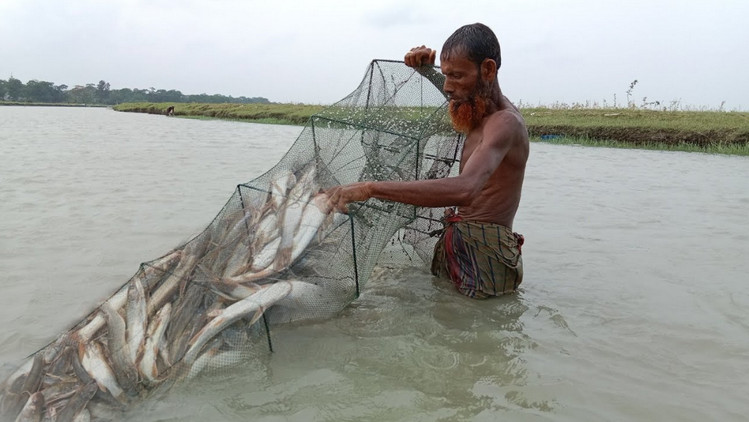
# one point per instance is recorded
(470, 59)
(476, 42)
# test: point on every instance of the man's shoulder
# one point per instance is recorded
(506, 123)
(510, 117)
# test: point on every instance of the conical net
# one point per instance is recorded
(274, 254)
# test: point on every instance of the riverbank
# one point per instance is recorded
(703, 131)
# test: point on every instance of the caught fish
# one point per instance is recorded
(280, 188)
(137, 318)
(122, 363)
(77, 404)
(33, 409)
(313, 216)
(156, 330)
(266, 255)
(93, 361)
(256, 303)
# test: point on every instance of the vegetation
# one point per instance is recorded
(294, 114)
(13, 92)
(707, 131)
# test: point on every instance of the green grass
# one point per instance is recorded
(727, 149)
(698, 131)
(295, 114)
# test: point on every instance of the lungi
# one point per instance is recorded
(481, 259)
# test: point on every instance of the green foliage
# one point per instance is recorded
(703, 131)
(34, 91)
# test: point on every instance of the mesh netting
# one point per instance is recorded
(273, 254)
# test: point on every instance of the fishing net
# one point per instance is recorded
(274, 254)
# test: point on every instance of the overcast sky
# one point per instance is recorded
(694, 52)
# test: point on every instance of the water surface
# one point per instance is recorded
(633, 305)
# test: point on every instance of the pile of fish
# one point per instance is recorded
(179, 313)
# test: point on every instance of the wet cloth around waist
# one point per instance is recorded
(481, 259)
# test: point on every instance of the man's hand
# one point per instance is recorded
(341, 196)
(420, 56)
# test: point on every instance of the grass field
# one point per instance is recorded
(703, 131)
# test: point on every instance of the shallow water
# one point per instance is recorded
(633, 305)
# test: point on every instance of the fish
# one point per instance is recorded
(93, 361)
(231, 290)
(266, 229)
(185, 314)
(33, 409)
(22, 383)
(156, 330)
(265, 256)
(301, 222)
(118, 300)
(280, 187)
(313, 216)
(122, 363)
(137, 318)
(239, 259)
(167, 288)
(256, 303)
(77, 404)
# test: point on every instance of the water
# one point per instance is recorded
(633, 305)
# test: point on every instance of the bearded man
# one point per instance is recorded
(477, 251)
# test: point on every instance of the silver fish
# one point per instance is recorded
(312, 218)
(137, 318)
(256, 303)
(95, 364)
(156, 330)
(266, 255)
(167, 288)
(122, 363)
(117, 301)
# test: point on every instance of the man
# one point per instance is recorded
(477, 250)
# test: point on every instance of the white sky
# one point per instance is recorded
(691, 51)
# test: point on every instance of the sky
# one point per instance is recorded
(690, 54)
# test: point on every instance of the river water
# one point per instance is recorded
(634, 303)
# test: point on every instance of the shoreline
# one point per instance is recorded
(717, 132)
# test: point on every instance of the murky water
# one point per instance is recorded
(634, 304)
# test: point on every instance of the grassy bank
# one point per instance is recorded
(292, 114)
(705, 131)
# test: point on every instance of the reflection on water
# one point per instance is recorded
(633, 305)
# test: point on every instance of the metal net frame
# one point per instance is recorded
(275, 253)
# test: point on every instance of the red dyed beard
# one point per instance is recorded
(467, 114)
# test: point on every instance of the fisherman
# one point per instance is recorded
(477, 250)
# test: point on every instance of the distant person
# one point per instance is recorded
(170, 111)
(477, 251)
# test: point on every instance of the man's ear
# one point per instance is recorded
(488, 70)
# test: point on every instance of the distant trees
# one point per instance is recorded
(35, 91)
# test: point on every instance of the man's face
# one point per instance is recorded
(467, 92)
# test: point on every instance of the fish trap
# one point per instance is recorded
(274, 254)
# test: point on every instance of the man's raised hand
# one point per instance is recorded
(420, 56)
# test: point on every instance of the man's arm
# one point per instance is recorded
(497, 138)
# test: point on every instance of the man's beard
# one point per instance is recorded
(468, 113)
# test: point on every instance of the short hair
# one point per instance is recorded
(477, 41)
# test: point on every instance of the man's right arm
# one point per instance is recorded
(422, 60)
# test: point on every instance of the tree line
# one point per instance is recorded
(35, 91)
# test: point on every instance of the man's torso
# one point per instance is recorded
(499, 198)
